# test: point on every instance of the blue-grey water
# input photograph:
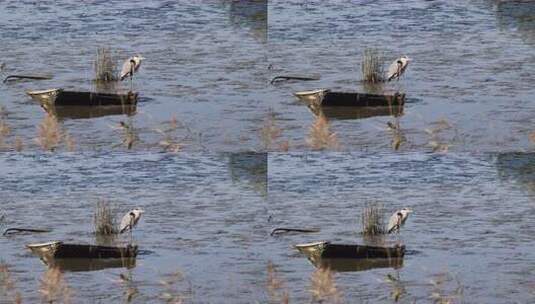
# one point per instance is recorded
(205, 64)
(205, 218)
(472, 67)
(473, 221)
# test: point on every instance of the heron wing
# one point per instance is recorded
(393, 70)
(125, 223)
(392, 222)
(125, 71)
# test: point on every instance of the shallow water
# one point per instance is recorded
(473, 220)
(205, 217)
(205, 64)
(472, 66)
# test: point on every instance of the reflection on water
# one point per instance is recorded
(518, 167)
(82, 112)
(251, 14)
(250, 167)
(343, 113)
(347, 265)
(517, 15)
(76, 265)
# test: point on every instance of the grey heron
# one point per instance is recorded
(131, 66)
(130, 219)
(397, 68)
(398, 219)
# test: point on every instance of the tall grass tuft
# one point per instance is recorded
(49, 133)
(323, 287)
(372, 219)
(104, 219)
(271, 134)
(372, 66)
(18, 144)
(278, 293)
(8, 291)
(105, 66)
(54, 289)
(4, 127)
(320, 136)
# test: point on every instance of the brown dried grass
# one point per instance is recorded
(323, 287)
(53, 288)
(271, 135)
(372, 66)
(320, 136)
(373, 219)
(104, 219)
(277, 291)
(105, 66)
(49, 133)
(8, 290)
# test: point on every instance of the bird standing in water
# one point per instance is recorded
(130, 67)
(398, 219)
(398, 67)
(130, 220)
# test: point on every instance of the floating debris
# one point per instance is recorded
(32, 77)
(286, 230)
(294, 77)
(22, 230)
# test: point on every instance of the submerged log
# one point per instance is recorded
(90, 264)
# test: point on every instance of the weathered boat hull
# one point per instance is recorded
(327, 98)
(60, 97)
(60, 250)
(319, 252)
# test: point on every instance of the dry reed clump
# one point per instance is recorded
(8, 290)
(372, 219)
(104, 219)
(49, 133)
(105, 67)
(320, 136)
(54, 289)
(271, 134)
(278, 293)
(372, 66)
(323, 287)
